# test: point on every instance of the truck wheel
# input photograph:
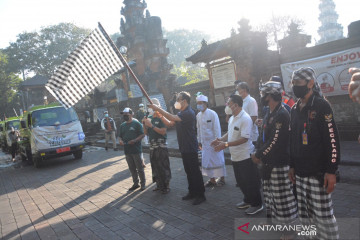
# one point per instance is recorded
(78, 154)
(37, 162)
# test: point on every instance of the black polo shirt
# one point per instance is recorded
(186, 132)
(321, 152)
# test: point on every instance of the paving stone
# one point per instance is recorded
(88, 199)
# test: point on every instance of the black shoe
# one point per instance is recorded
(134, 187)
(199, 200)
(188, 197)
(253, 210)
(106, 148)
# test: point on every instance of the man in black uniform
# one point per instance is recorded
(185, 122)
(272, 154)
(314, 154)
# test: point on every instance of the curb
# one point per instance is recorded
(174, 152)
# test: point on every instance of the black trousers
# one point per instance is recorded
(248, 179)
(193, 173)
(13, 149)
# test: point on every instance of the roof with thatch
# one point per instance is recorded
(210, 52)
(35, 81)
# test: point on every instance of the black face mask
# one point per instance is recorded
(300, 91)
(263, 101)
(126, 118)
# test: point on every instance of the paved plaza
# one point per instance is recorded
(88, 199)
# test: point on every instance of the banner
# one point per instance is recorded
(332, 71)
(47, 137)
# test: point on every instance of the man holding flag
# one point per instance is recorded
(185, 122)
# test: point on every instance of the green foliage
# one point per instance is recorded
(42, 52)
(23, 53)
(56, 43)
(183, 43)
(9, 83)
(191, 73)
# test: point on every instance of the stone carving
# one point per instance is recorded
(142, 35)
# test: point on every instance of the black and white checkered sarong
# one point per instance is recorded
(279, 199)
(315, 207)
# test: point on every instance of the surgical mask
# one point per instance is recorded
(200, 107)
(263, 101)
(177, 105)
(126, 118)
(106, 115)
(228, 110)
(300, 91)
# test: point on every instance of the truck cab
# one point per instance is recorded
(50, 131)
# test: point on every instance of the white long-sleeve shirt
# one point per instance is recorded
(208, 126)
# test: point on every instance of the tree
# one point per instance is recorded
(277, 28)
(183, 43)
(42, 52)
(56, 43)
(191, 73)
(9, 84)
(23, 53)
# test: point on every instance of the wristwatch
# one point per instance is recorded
(152, 127)
(226, 144)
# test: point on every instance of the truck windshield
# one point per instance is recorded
(53, 117)
(14, 123)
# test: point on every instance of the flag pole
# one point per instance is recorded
(124, 62)
(15, 112)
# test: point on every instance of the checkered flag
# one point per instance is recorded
(93, 61)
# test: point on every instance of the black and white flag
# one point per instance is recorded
(93, 61)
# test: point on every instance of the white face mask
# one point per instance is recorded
(151, 111)
(177, 105)
(228, 110)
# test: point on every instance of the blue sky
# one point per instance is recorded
(213, 17)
